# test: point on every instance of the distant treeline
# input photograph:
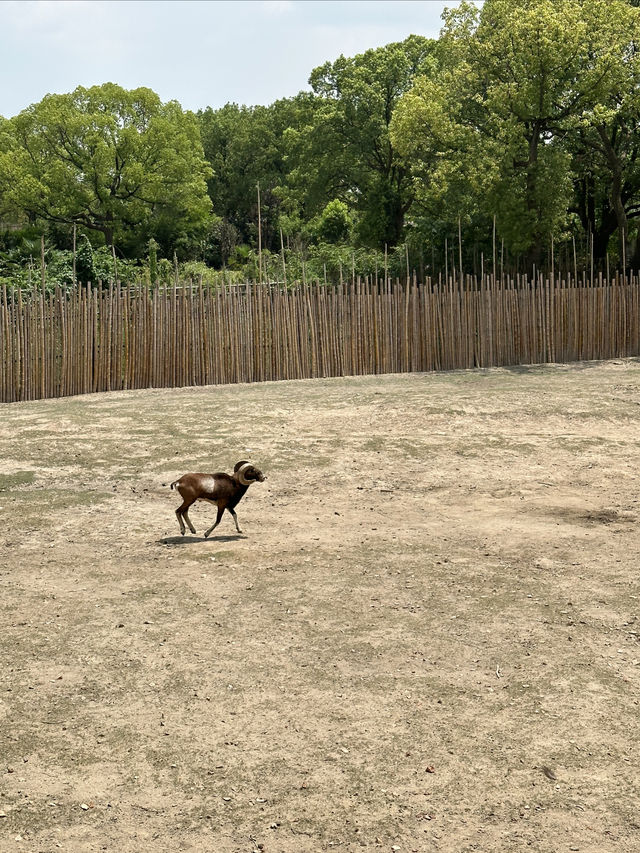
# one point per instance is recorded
(513, 139)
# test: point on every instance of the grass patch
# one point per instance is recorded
(10, 482)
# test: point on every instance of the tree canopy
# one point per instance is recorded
(524, 113)
(113, 161)
(523, 89)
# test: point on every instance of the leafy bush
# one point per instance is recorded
(335, 223)
(197, 271)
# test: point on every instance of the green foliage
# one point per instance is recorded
(85, 270)
(320, 261)
(335, 223)
(523, 110)
(348, 148)
(342, 262)
(247, 146)
(19, 256)
(198, 271)
(492, 132)
(114, 161)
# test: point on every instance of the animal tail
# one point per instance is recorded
(173, 485)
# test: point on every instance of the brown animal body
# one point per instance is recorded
(224, 490)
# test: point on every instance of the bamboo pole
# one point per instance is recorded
(5, 342)
(446, 262)
(460, 252)
(259, 236)
(115, 264)
(74, 254)
(494, 246)
(284, 263)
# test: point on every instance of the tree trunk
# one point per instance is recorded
(615, 195)
(533, 255)
(634, 260)
(602, 222)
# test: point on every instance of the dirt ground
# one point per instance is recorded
(427, 637)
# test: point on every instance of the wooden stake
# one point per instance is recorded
(74, 254)
(42, 264)
(446, 261)
(284, 263)
(460, 251)
(259, 237)
(494, 247)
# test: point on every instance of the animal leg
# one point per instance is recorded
(188, 520)
(235, 518)
(182, 513)
(213, 526)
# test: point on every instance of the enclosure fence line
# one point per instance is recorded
(57, 343)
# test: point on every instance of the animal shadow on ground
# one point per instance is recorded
(190, 540)
(577, 515)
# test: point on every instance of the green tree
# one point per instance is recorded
(334, 223)
(113, 161)
(247, 146)
(518, 79)
(606, 157)
(347, 152)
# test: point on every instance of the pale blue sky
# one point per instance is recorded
(198, 52)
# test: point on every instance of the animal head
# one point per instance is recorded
(246, 473)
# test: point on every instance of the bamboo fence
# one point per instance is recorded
(55, 344)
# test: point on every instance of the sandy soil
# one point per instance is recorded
(426, 639)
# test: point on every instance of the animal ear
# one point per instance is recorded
(239, 465)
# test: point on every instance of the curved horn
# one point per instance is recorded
(240, 474)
